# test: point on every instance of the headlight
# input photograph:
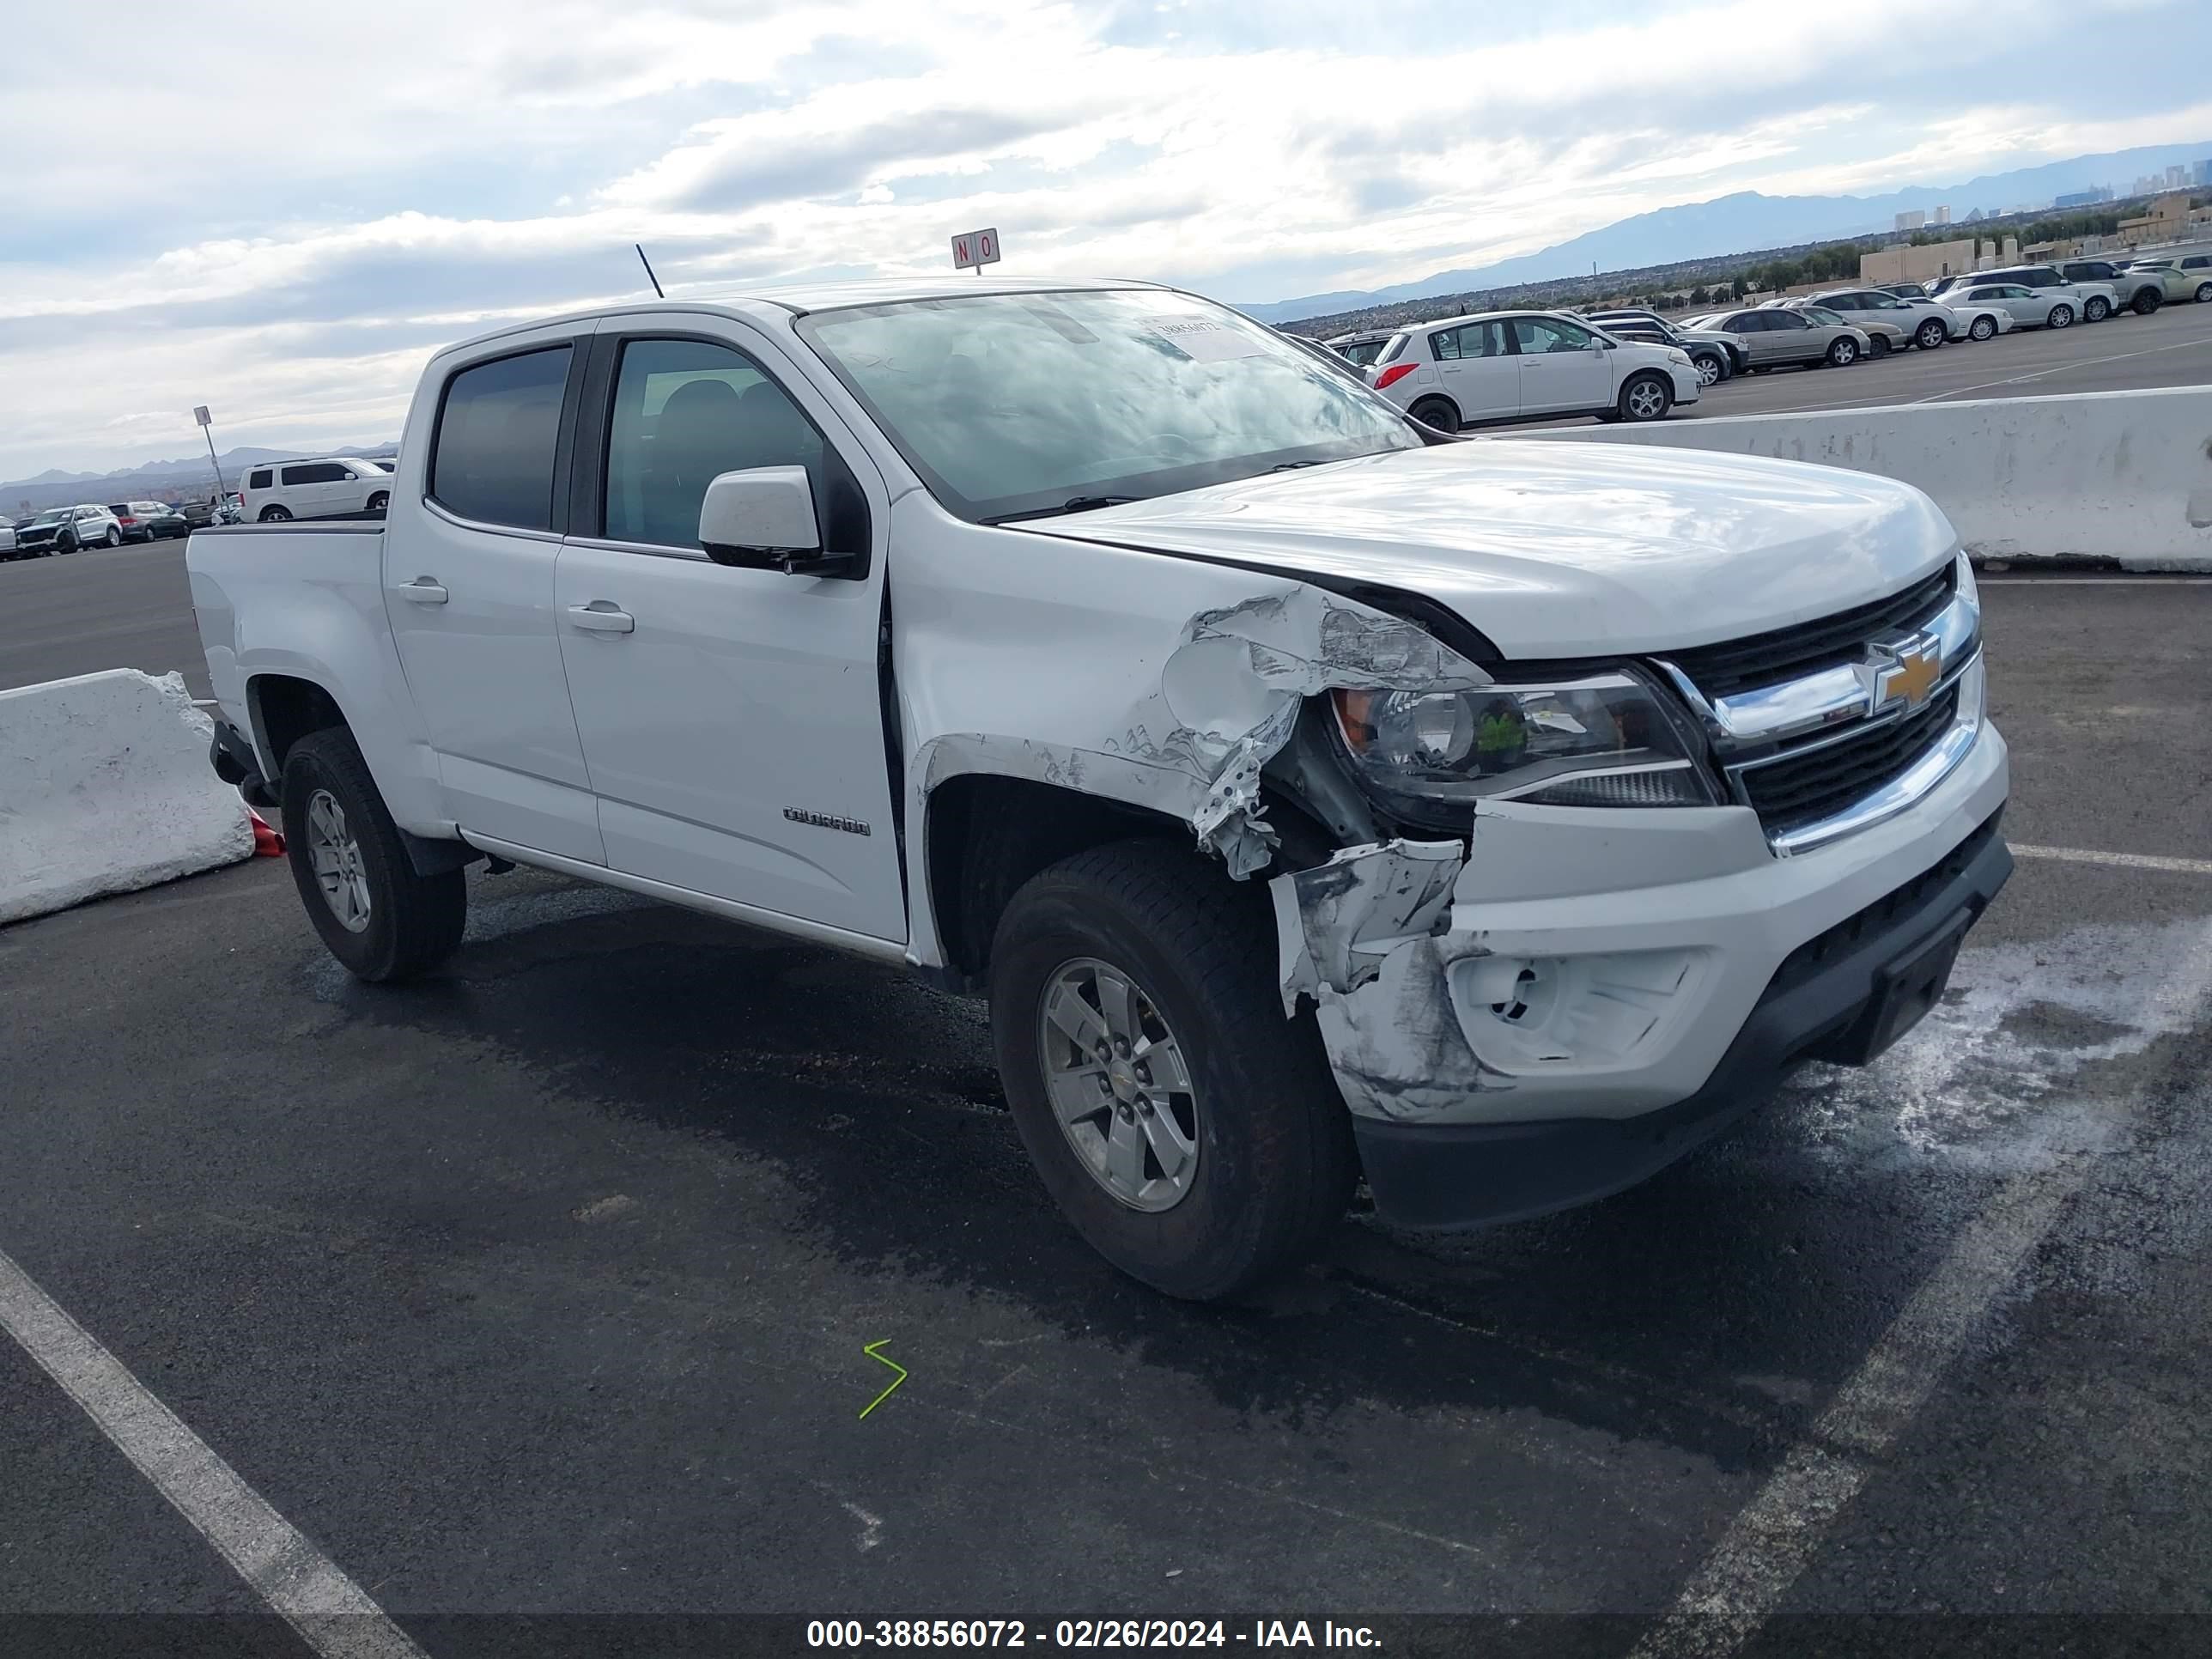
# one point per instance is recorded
(1600, 741)
(1676, 355)
(1965, 587)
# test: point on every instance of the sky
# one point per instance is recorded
(279, 210)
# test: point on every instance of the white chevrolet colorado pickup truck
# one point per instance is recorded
(1315, 797)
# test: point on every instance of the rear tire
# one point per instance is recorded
(411, 922)
(1274, 1162)
(1930, 334)
(275, 514)
(1646, 398)
(2149, 301)
(1982, 328)
(1437, 413)
(2061, 317)
(380, 501)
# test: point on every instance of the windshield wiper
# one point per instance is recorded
(1073, 504)
(1291, 466)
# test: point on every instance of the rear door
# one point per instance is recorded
(733, 718)
(1750, 328)
(1563, 369)
(1478, 369)
(468, 586)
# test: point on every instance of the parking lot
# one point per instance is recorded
(537, 1295)
(2124, 353)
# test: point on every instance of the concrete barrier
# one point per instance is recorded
(2103, 478)
(105, 787)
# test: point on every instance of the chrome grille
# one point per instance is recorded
(1787, 653)
(1804, 786)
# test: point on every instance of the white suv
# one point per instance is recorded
(326, 488)
(1529, 365)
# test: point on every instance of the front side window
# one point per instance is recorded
(1014, 404)
(1533, 335)
(492, 460)
(685, 411)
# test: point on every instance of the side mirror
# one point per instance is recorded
(1599, 343)
(764, 519)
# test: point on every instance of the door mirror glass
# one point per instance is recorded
(765, 516)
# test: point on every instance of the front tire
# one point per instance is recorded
(376, 915)
(1843, 353)
(1877, 347)
(1930, 334)
(1435, 412)
(275, 514)
(1982, 328)
(1645, 398)
(2094, 309)
(2061, 317)
(1711, 370)
(1218, 1152)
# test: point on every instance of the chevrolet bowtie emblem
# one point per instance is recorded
(1919, 666)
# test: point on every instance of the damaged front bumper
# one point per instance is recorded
(1586, 996)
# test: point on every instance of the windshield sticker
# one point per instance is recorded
(1205, 339)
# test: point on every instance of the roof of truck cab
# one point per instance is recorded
(800, 298)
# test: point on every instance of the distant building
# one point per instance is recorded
(2169, 221)
(1943, 216)
(1906, 264)
(1975, 217)
(2202, 174)
(2085, 197)
(2176, 178)
(1912, 221)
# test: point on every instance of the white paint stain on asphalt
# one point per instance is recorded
(2122, 988)
(332, 1613)
(2116, 860)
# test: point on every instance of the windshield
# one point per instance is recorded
(1011, 405)
(49, 518)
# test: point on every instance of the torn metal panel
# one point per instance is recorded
(1194, 742)
(1335, 922)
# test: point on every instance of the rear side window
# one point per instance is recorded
(260, 480)
(498, 429)
(1390, 353)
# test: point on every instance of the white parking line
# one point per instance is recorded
(332, 1613)
(2121, 861)
(1776, 1535)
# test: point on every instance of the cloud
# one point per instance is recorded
(292, 216)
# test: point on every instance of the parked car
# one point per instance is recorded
(1926, 323)
(66, 529)
(1145, 549)
(8, 549)
(1717, 356)
(198, 515)
(1903, 290)
(2138, 291)
(1776, 338)
(1359, 350)
(2086, 302)
(329, 488)
(2029, 307)
(1527, 365)
(146, 522)
(1878, 336)
(2183, 278)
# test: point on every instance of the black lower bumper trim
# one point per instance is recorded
(231, 754)
(1827, 1001)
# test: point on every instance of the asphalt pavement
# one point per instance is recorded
(537, 1294)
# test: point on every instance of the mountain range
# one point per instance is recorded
(1748, 219)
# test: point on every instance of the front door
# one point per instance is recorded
(1563, 369)
(733, 718)
(1479, 370)
(468, 586)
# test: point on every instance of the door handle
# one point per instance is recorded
(601, 616)
(423, 590)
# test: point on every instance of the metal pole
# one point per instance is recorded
(208, 432)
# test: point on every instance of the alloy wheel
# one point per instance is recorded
(1120, 1087)
(336, 857)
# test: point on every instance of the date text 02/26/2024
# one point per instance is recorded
(1084, 1633)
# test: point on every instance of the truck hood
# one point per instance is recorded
(1563, 550)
